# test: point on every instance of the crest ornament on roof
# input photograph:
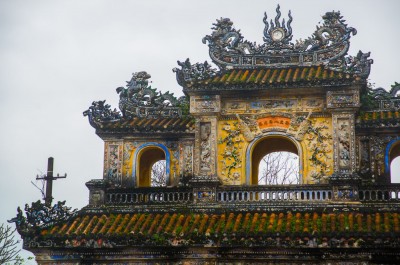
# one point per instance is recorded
(279, 34)
(327, 46)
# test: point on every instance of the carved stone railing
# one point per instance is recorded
(227, 194)
(241, 194)
(377, 193)
(151, 195)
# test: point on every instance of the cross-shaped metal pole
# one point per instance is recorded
(49, 181)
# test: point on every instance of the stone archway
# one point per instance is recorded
(145, 157)
(269, 143)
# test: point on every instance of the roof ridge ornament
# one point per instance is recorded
(278, 35)
(138, 99)
(328, 46)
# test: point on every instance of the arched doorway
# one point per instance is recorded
(146, 158)
(268, 144)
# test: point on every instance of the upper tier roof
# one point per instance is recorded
(142, 109)
(273, 77)
(327, 47)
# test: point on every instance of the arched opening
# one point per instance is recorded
(147, 158)
(270, 145)
(394, 162)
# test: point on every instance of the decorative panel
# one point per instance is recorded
(113, 162)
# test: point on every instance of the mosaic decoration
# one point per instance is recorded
(344, 142)
(187, 160)
(40, 216)
(205, 104)
(138, 99)
(205, 147)
(265, 106)
(113, 163)
(365, 165)
(378, 145)
(328, 45)
(128, 152)
(192, 72)
(342, 99)
(99, 111)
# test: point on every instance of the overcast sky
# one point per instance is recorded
(56, 57)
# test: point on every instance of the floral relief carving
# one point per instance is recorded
(344, 143)
(319, 142)
(113, 163)
(205, 147)
(231, 154)
(188, 158)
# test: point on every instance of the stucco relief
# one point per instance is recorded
(318, 140)
(127, 167)
(274, 104)
(231, 152)
(205, 145)
(340, 99)
(205, 104)
(372, 154)
(187, 164)
(344, 142)
(113, 157)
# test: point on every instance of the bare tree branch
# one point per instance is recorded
(279, 168)
(8, 245)
(158, 174)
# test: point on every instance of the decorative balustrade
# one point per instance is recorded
(381, 193)
(243, 194)
(153, 195)
(226, 194)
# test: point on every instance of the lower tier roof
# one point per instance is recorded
(246, 228)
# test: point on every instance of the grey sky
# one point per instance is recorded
(56, 57)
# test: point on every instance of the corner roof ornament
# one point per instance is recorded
(137, 100)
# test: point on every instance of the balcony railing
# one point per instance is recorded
(380, 193)
(226, 194)
(243, 194)
(153, 195)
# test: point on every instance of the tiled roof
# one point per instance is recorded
(184, 225)
(276, 76)
(148, 124)
(376, 119)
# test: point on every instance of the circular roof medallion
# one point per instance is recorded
(277, 34)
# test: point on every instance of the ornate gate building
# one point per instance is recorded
(308, 98)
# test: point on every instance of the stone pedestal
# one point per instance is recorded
(96, 191)
(345, 186)
(205, 188)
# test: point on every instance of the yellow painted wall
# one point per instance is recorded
(234, 140)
